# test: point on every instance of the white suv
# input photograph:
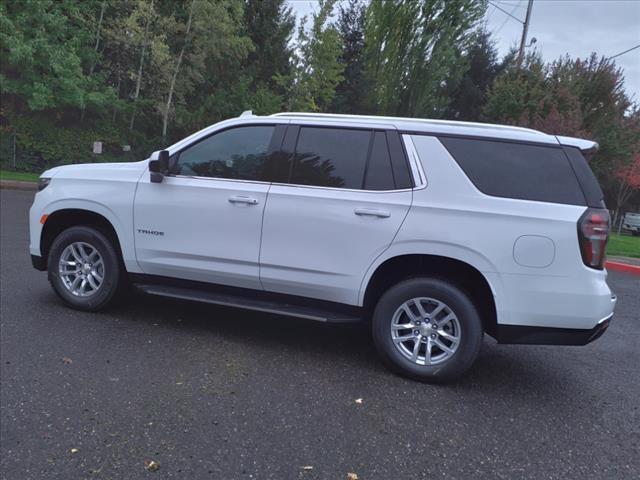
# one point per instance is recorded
(434, 231)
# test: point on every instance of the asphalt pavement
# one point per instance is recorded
(208, 392)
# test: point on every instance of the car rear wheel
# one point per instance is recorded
(84, 268)
(427, 329)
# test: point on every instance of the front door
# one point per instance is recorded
(203, 222)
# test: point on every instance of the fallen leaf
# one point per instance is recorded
(151, 465)
(74, 450)
(67, 360)
(352, 476)
(358, 401)
(307, 467)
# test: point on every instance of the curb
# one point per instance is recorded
(623, 267)
(18, 185)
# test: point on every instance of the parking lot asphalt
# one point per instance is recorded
(210, 392)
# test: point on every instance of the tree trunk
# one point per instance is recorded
(115, 109)
(95, 60)
(165, 116)
(139, 78)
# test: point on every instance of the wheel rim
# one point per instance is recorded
(426, 331)
(81, 269)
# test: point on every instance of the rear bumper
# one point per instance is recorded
(39, 263)
(551, 336)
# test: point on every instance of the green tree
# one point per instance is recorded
(470, 96)
(269, 24)
(414, 53)
(351, 92)
(318, 70)
(204, 36)
(45, 46)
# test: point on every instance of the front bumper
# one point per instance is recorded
(520, 334)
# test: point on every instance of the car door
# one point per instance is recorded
(203, 221)
(337, 206)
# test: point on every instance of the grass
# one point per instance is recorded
(624, 245)
(20, 176)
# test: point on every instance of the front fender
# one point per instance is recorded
(111, 200)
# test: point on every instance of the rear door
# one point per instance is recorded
(203, 221)
(337, 205)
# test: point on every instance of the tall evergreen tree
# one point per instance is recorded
(470, 96)
(351, 91)
(270, 25)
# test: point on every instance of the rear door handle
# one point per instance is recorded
(371, 212)
(241, 199)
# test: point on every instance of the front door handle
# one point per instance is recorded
(372, 212)
(241, 199)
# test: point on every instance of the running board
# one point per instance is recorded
(247, 303)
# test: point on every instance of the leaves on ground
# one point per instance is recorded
(67, 360)
(151, 465)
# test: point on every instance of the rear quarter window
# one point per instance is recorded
(516, 170)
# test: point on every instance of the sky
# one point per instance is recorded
(574, 27)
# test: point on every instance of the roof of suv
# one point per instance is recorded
(449, 127)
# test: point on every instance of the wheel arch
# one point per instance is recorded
(467, 276)
(64, 218)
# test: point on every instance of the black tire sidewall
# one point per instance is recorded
(112, 278)
(461, 305)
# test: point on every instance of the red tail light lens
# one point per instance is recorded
(593, 233)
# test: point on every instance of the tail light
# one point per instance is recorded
(593, 233)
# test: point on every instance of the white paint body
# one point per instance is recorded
(312, 242)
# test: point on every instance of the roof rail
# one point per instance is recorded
(426, 121)
(246, 113)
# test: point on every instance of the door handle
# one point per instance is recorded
(371, 212)
(241, 199)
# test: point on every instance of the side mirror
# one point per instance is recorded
(160, 167)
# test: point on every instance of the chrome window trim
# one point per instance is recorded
(219, 179)
(417, 171)
(338, 189)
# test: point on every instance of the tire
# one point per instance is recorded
(465, 326)
(109, 269)
(635, 233)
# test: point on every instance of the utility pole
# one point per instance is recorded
(525, 29)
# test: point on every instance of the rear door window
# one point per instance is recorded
(517, 170)
(331, 157)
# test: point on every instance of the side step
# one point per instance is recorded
(248, 303)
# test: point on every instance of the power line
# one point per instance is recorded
(505, 21)
(507, 13)
(622, 53)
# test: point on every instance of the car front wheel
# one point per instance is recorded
(84, 268)
(427, 329)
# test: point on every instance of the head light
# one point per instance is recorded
(43, 182)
